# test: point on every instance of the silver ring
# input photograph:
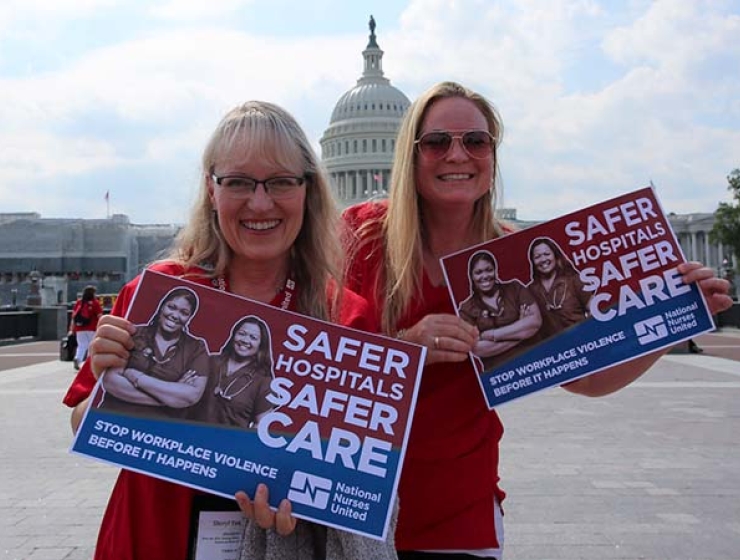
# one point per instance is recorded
(436, 343)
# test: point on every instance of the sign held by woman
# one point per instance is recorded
(221, 393)
(572, 296)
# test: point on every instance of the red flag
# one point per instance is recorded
(378, 178)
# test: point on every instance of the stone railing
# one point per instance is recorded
(34, 323)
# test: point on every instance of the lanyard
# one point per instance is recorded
(288, 290)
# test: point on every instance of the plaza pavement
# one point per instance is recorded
(652, 472)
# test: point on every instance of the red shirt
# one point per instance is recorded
(148, 518)
(450, 473)
(90, 309)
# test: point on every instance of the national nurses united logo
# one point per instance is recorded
(309, 490)
(650, 330)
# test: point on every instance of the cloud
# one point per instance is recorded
(663, 106)
(596, 99)
(196, 10)
(152, 100)
(33, 19)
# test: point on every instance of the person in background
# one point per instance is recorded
(559, 291)
(85, 314)
(167, 370)
(240, 377)
(263, 227)
(694, 348)
(505, 313)
(441, 201)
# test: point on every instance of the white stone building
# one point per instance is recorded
(357, 147)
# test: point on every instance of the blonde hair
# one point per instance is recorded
(267, 132)
(403, 227)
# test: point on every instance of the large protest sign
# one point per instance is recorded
(574, 295)
(331, 411)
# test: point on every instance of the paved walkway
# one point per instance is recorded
(652, 472)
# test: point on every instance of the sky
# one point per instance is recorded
(597, 98)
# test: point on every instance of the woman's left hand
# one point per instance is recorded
(111, 344)
(259, 511)
(448, 337)
(716, 290)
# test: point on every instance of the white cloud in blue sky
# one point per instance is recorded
(597, 97)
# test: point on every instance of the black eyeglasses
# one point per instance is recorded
(278, 188)
(477, 144)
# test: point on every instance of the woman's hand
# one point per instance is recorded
(716, 290)
(111, 344)
(259, 511)
(448, 338)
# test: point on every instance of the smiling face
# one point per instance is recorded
(174, 315)
(455, 178)
(483, 275)
(247, 341)
(544, 259)
(258, 228)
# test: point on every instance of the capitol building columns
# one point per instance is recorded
(360, 184)
(692, 231)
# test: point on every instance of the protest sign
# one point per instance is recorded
(328, 416)
(572, 296)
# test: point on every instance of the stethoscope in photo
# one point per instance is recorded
(556, 304)
(224, 392)
(150, 354)
(494, 310)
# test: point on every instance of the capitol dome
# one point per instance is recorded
(357, 147)
(370, 99)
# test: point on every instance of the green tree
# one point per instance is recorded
(726, 229)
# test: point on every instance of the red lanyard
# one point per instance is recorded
(288, 290)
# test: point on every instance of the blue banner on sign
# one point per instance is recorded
(225, 460)
(591, 346)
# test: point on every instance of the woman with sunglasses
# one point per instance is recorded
(441, 201)
(167, 367)
(263, 227)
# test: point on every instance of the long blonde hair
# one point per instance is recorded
(269, 133)
(403, 227)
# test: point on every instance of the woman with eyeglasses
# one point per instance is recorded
(264, 226)
(505, 313)
(240, 376)
(441, 201)
(559, 291)
(167, 368)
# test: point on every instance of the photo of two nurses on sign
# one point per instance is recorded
(170, 373)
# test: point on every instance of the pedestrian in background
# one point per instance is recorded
(85, 314)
